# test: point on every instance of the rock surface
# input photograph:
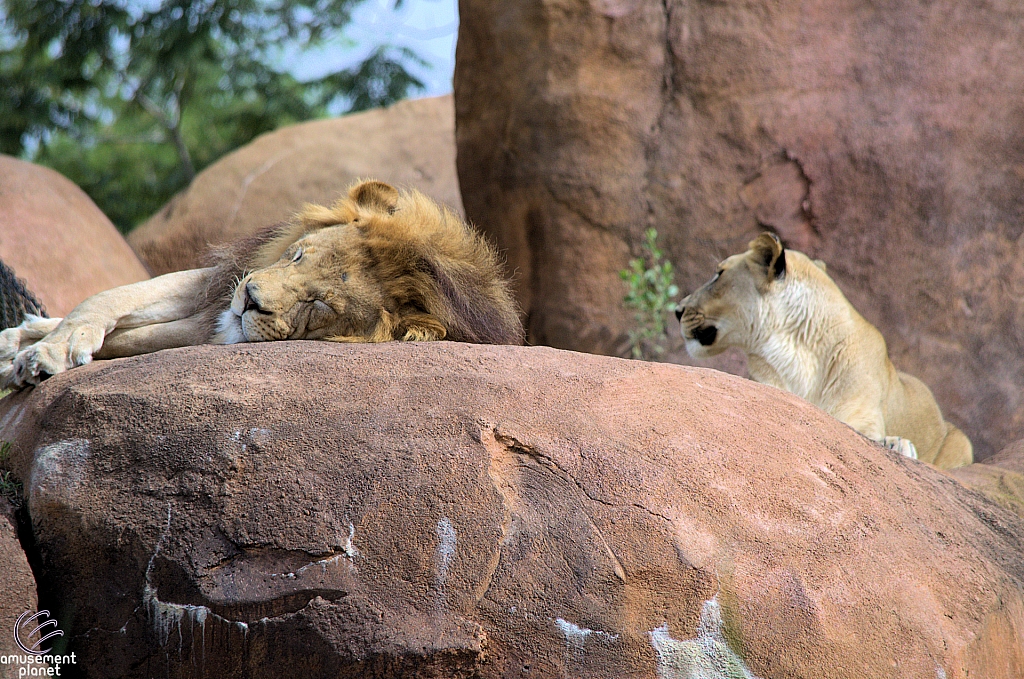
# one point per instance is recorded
(313, 509)
(55, 238)
(411, 143)
(17, 584)
(885, 138)
(1000, 478)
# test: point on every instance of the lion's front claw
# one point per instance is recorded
(53, 355)
(17, 340)
(36, 363)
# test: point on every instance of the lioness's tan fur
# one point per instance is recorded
(378, 265)
(801, 334)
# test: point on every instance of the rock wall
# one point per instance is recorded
(886, 138)
(456, 510)
(268, 180)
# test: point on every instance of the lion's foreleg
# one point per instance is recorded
(13, 340)
(418, 327)
(81, 334)
(154, 337)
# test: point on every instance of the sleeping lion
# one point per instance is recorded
(379, 265)
(802, 335)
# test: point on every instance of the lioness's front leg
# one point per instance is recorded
(904, 447)
(77, 337)
(867, 419)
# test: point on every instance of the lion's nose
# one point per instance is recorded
(251, 302)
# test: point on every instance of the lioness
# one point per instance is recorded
(802, 335)
(379, 265)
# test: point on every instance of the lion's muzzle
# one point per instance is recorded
(251, 300)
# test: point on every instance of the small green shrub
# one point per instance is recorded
(650, 293)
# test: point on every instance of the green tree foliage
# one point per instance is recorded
(650, 293)
(130, 98)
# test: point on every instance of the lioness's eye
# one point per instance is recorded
(297, 256)
(344, 277)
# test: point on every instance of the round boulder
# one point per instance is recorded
(55, 238)
(411, 143)
(442, 509)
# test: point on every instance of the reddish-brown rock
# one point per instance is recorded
(312, 509)
(1000, 478)
(411, 143)
(55, 238)
(17, 587)
(885, 138)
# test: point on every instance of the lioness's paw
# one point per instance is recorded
(900, 445)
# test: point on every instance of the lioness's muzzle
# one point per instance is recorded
(692, 325)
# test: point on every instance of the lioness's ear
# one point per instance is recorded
(768, 252)
(821, 265)
(375, 195)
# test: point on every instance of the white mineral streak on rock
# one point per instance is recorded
(707, 656)
(446, 546)
(166, 617)
(349, 548)
(576, 636)
(255, 435)
(57, 471)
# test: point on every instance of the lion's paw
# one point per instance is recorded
(36, 363)
(32, 329)
(46, 358)
(900, 445)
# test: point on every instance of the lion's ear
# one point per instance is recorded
(821, 265)
(769, 253)
(375, 195)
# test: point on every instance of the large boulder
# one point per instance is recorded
(411, 143)
(55, 238)
(17, 584)
(884, 138)
(311, 509)
(1000, 478)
